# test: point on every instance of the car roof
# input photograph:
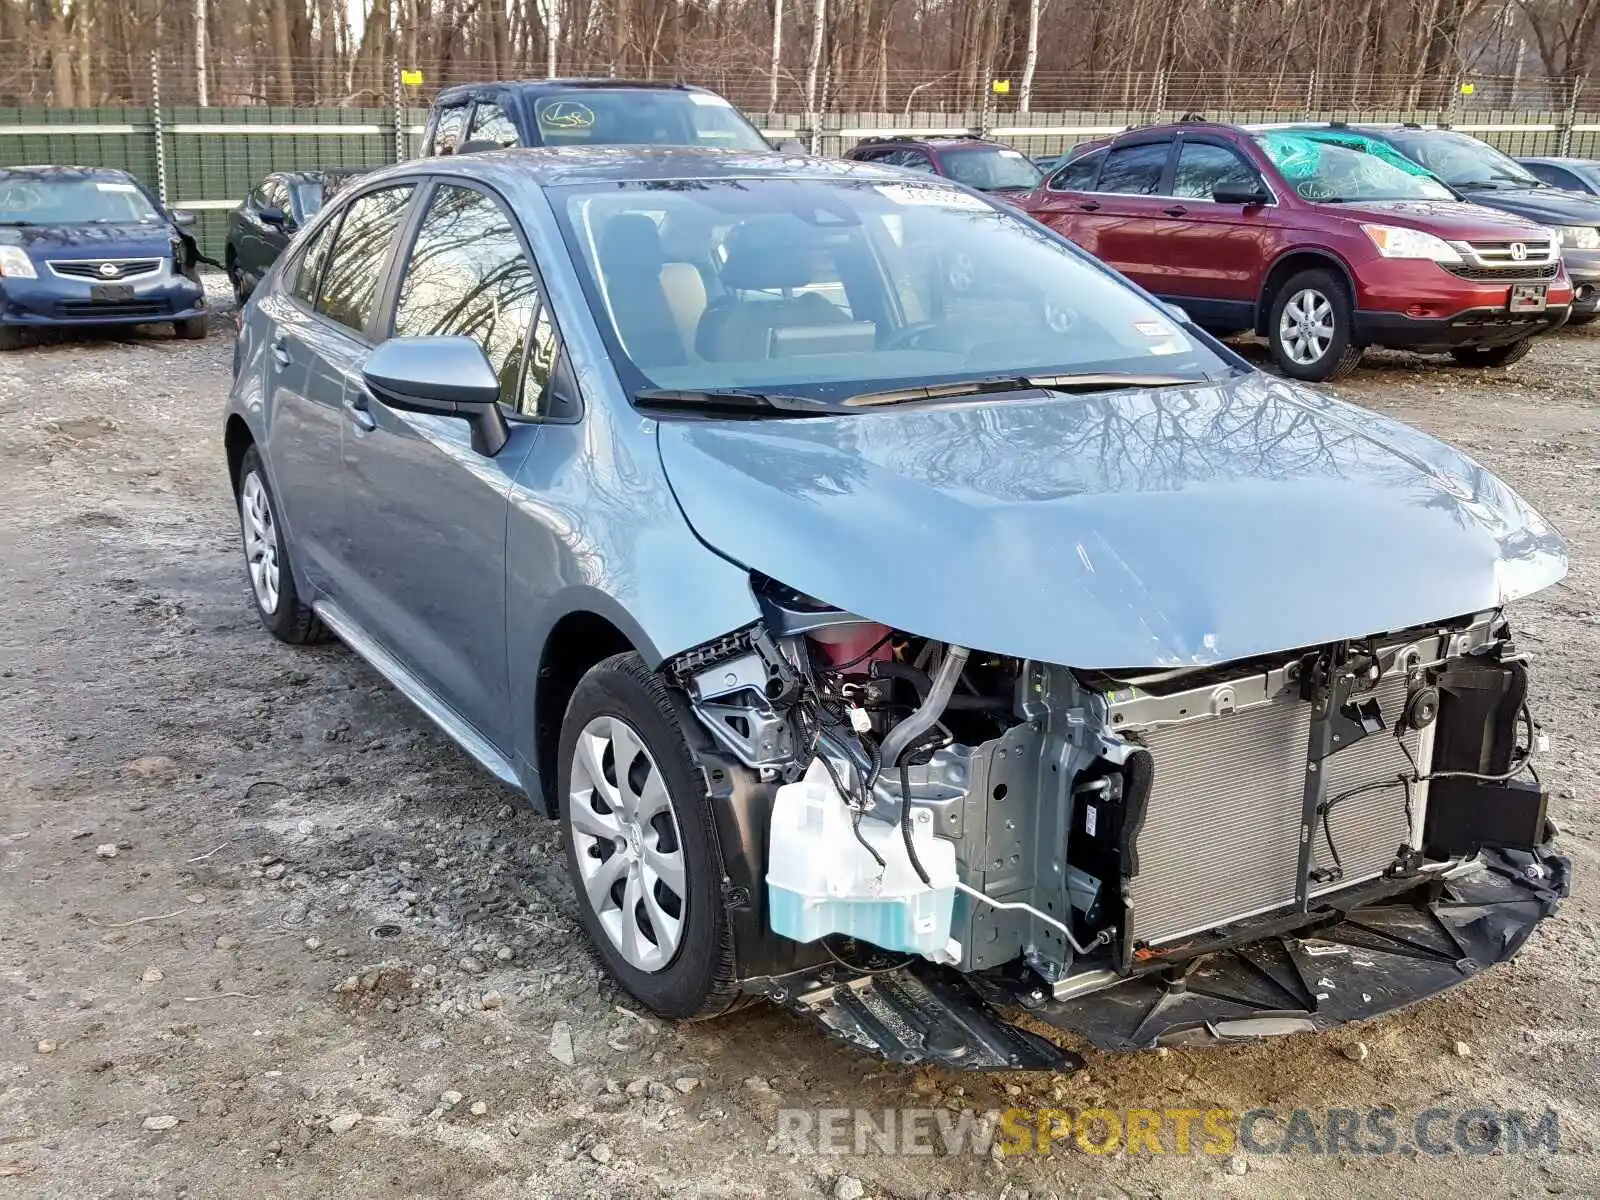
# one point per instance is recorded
(552, 166)
(942, 141)
(66, 172)
(1558, 161)
(536, 87)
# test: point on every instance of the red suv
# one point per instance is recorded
(1323, 241)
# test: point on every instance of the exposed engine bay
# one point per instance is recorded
(1253, 848)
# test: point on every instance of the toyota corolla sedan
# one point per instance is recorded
(90, 246)
(908, 643)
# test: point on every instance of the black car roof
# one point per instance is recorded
(65, 172)
(535, 87)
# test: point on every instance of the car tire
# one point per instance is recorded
(670, 855)
(11, 338)
(192, 329)
(1493, 356)
(1581, 319)
(266, 560)
(236, 278)
(1310, 326)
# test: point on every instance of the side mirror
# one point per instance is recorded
(273, 215)
(1240, 193)
(182, 218)
(443, 377)
(792, 146)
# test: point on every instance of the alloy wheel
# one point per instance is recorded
(627, 845)
(260, 541)
(1306, 327)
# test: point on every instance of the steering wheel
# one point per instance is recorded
(906, 336)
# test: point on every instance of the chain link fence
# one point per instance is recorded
(207, 158)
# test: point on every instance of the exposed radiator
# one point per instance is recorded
(1221, 836)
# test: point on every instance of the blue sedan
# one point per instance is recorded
(907, 619)
(90, 246)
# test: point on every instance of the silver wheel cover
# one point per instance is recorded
(1306, 327)
(626, 842)
(260, 541)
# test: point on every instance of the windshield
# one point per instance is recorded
(991, 168)
(1333, 168)
(641, 116)
(309, 197)
(27, 199)
(826, 289)
(1465, 162)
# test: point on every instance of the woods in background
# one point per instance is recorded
(811, 55)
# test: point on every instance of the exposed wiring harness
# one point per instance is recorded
(1523, 762)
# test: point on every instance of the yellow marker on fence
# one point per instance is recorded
(411, 78)
(1467, 89)
(1001, 86)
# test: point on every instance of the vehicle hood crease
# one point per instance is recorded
(1133, 528)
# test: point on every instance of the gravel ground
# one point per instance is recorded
(263, 931)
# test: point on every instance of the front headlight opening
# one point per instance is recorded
(15, 263)
(1395, 241)
(1578, 237)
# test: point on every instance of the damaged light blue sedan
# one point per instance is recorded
(908, 620)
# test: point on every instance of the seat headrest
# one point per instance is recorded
(630, 242)
(769, 252)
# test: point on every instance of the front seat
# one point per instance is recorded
(763, 254)
(630, 262)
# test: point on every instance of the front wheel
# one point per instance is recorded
(11, 338)
(191, 329)
(640, 843)
(1310, 328)
(1493, 356)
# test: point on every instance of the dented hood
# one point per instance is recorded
(1127, 529)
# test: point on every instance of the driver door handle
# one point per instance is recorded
(280, 352)
(1175, 210)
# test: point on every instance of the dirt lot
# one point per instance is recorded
(248, 894)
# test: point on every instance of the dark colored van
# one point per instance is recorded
(586, 112)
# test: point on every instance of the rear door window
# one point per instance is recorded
(913, 160)
(1134, 170)
(308, 272)
(348, 292)
(1202, 167)
(490, 124)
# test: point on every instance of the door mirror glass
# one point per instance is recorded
(273, 215)
(441, 376)
(1230, 192)
(182, 218)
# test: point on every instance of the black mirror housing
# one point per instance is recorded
(273, 215)
(443, 377)
(1240, 193)
(182, 218)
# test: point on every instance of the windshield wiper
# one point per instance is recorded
(734, 402)
(1083, 381)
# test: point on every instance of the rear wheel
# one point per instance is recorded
(191, 329)
(266, 560)
(1493, 356)
(1310, 328)
(11, 338)
(641, 846)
